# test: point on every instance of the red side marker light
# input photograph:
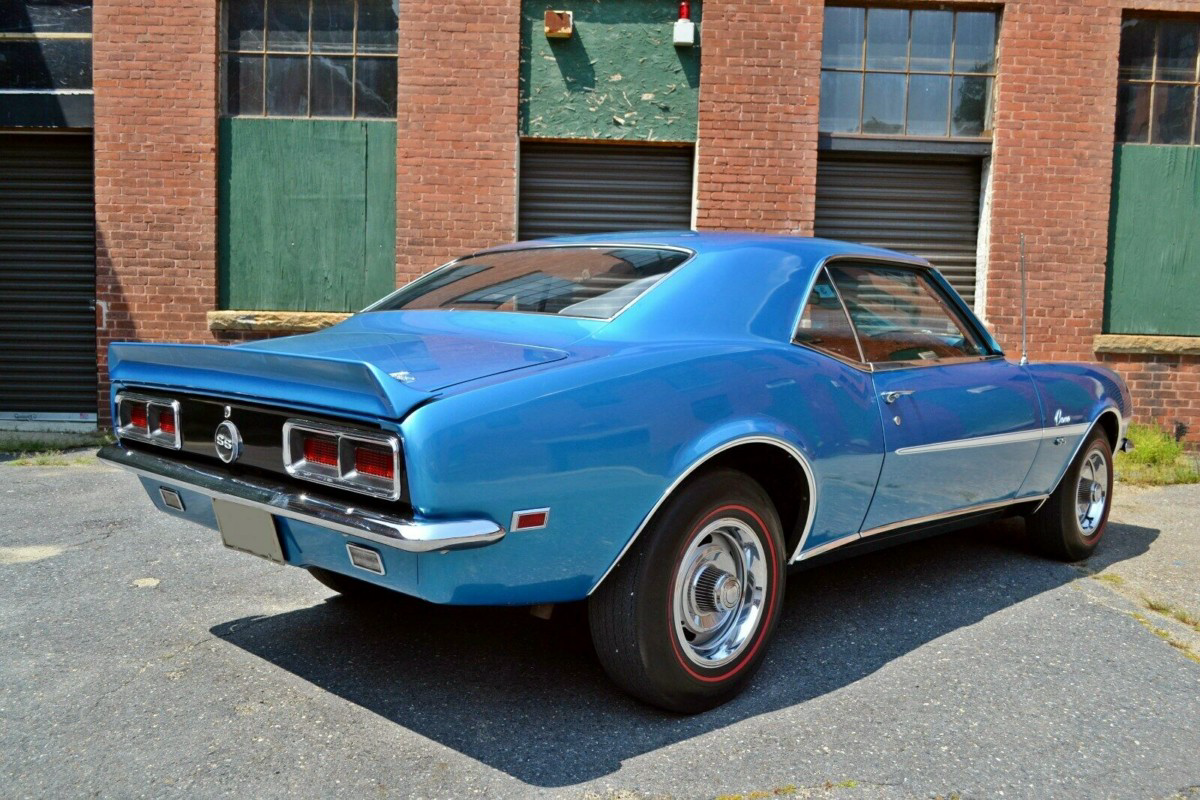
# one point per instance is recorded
(375, 461)
(320, 450)
(530, 520)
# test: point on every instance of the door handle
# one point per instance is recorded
(895, 394)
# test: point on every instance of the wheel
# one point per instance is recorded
(1071, 522)
(683, 620)
(350, 588)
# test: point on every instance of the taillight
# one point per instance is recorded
(321, 450)
(349, 458)
(148, 419)
(374, 461)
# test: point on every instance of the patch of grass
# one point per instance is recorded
(1167, 610)
(51, 458)
(761, 794)
(1156, 459)
(1111, 578)
(26, 444)
(1166, 636)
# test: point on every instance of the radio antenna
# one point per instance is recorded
(1024, 314)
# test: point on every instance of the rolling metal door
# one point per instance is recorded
(926, 207)
(595, 188)
(47, 277)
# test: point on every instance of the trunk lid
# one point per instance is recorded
(373, 373)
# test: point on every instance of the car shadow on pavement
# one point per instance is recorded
(528, 697)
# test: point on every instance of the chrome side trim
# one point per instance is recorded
(824, 548)
(1034, 435)
(782, 444)
(958, 512)
(945, 515)
(401, 533)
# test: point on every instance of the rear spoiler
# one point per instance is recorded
(335, 384)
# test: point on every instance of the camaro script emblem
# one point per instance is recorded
(1061, 418)
(228, 440)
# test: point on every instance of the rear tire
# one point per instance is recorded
(684, 619)
(1072, 521)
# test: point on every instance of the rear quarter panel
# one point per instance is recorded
(599, 441)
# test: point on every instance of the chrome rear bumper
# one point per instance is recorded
(399, 532)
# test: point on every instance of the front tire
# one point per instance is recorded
(683, 620)
(1072, 521)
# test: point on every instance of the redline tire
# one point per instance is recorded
(684, 619)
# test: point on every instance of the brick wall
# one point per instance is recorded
(457, 154)
(155, 80)
(1165, 389)
(760, 76)
(456, 160)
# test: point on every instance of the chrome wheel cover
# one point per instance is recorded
(1091, 495)
(720, 592)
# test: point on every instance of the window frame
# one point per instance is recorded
(986, 135)
(952, 303)
(859, 363)
(224, 53)
(1154, 83)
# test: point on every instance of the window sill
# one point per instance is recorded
(273, 321)
(1146, 344)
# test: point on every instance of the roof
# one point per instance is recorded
(810, 249)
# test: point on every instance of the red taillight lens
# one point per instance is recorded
(320, 450)
(137, 417)
(375, 461)
(166, 421)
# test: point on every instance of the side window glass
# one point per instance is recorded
(900, 315)
(824, 325)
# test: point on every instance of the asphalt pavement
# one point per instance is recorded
(139, 658)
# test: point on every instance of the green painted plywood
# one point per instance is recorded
(1154, 241)
(617, 77)
(307, 218)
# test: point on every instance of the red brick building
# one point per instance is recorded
(223, 178)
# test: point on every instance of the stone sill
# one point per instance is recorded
(1146, 345)
(273, 321)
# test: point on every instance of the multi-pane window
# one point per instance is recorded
(908, 72)
(46, 46)
(1159, 79)
(310, 58)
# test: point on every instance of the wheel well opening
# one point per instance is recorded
(1112, 429)
(780, 475)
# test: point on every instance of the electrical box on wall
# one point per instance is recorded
(685, 33)
(685, 29)
(559, 24)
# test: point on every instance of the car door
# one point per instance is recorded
(961, 424)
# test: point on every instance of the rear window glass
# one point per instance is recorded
(594, 282)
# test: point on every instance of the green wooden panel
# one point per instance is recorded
(1154, 241)
(617, 77)
(307, 213)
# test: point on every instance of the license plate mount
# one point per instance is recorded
(248, 530)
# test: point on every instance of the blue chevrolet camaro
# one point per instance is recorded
(658, 423)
